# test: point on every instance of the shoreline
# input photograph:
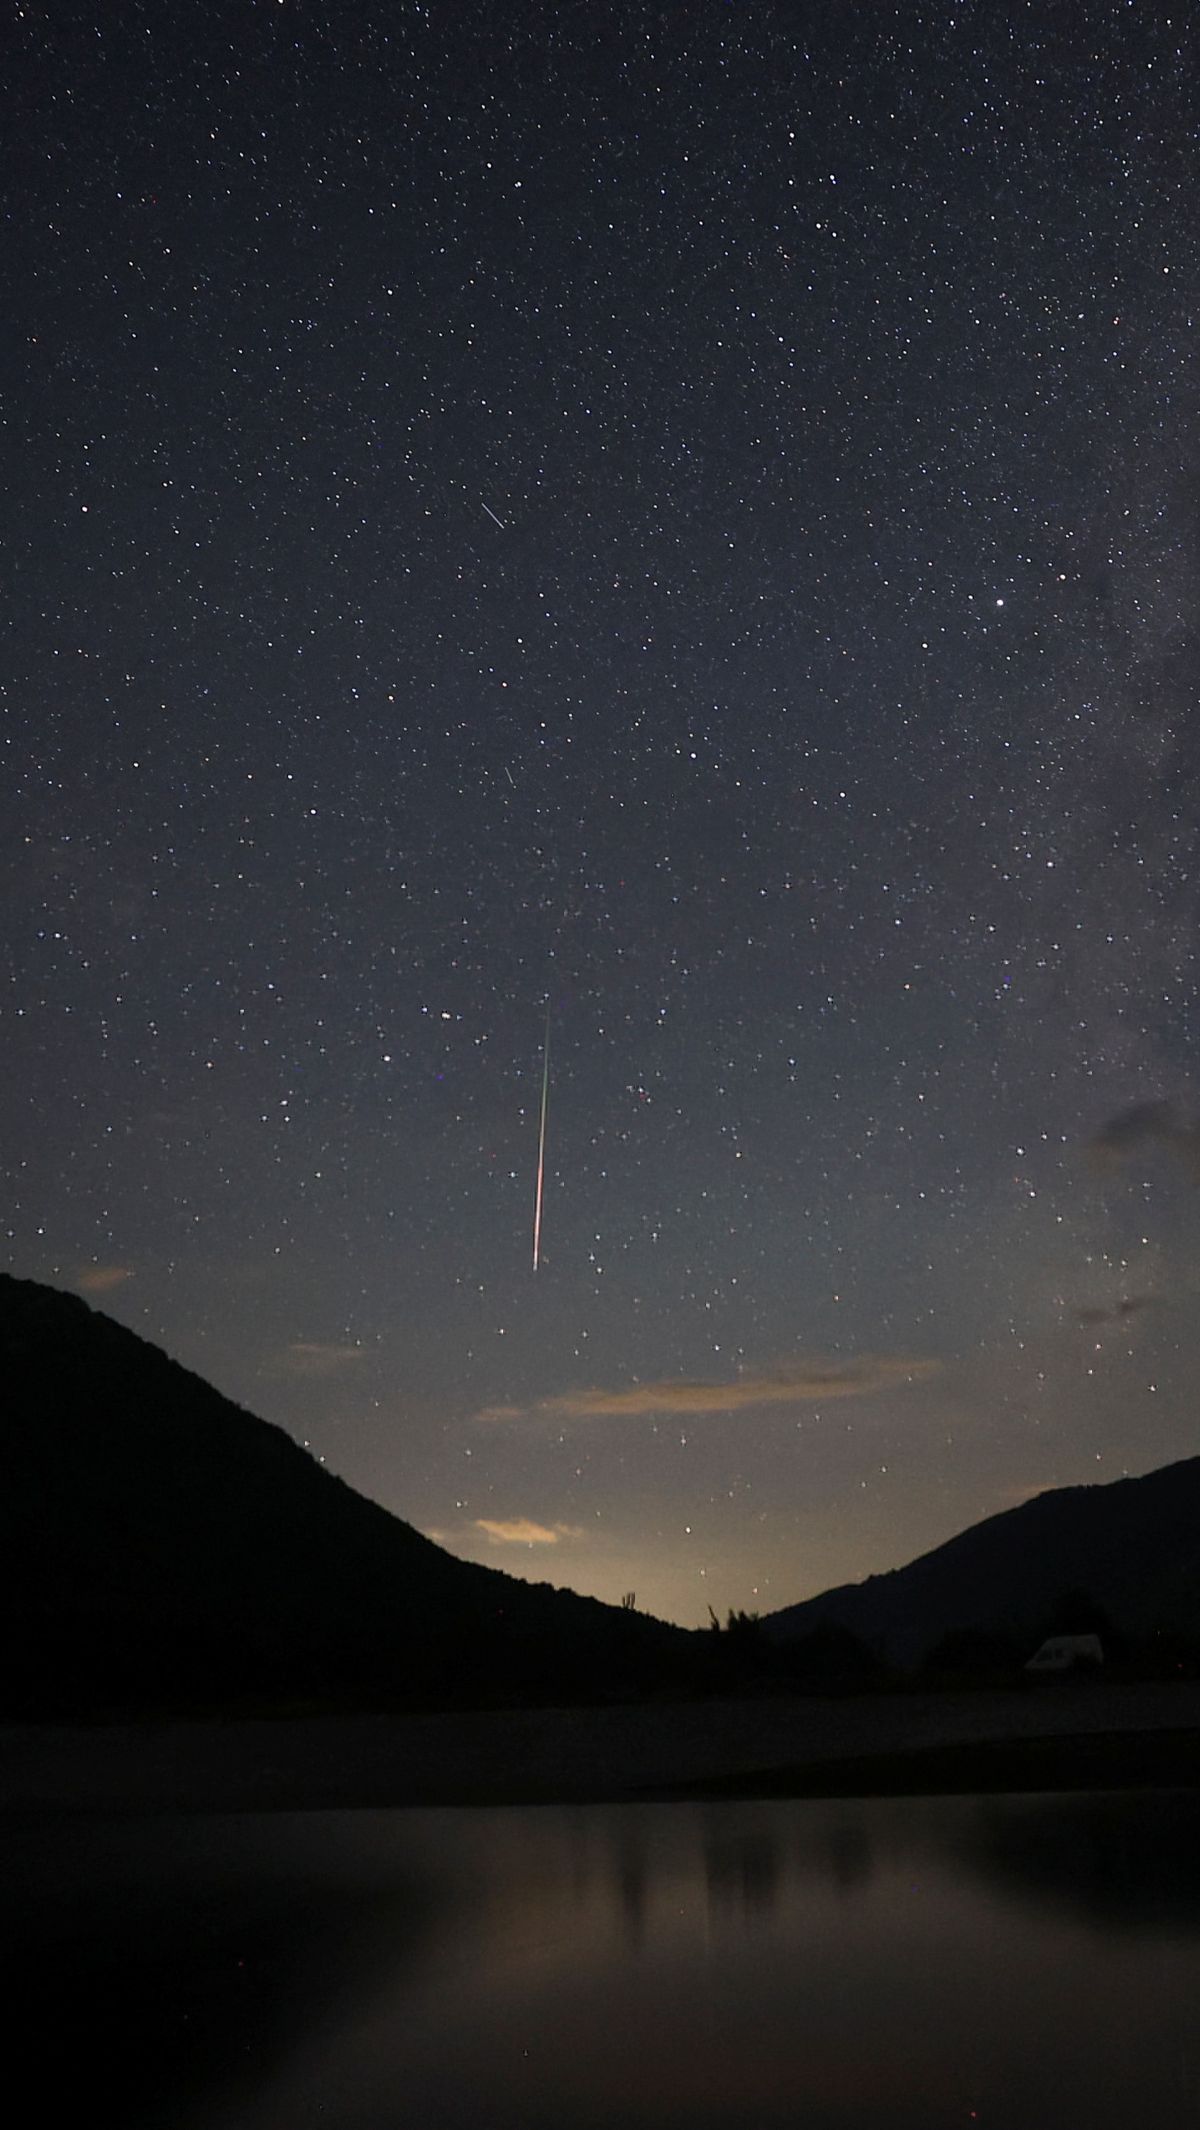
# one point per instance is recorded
(1087, 1736)
(1103, 1760)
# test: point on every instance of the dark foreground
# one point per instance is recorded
(1084, 1735)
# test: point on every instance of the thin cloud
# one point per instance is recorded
(101, 1279)
(521, 1531)
(803, 1383)
(1146, 1125)
(1118, 1312)
(315, 1357)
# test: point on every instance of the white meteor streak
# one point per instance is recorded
(492, 515)
(541, 1160)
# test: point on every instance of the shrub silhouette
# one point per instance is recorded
(976, 1653)
(833, 1659)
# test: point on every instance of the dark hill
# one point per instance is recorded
(161, 1547)
(1130, 1548)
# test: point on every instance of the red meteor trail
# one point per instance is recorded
(541, 1165)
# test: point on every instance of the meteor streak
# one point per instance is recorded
(492, 515)
(541, 1160)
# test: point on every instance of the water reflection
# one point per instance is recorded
(743, 1867)
(145, 1959)
(851, 1859)
(1096, 1859)
(893, 1964)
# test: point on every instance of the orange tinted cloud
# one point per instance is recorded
(101, 1279)
(800, 1383)
(520, 1531)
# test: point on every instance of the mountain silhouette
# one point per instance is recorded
(1124, 1555)
(161, 1547)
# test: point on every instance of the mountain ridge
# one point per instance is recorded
(160, 1546)
(1130, 1545)
(159, 1542)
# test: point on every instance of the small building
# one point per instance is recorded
(1067, 1652)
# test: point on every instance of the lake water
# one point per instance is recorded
(1016, 1963)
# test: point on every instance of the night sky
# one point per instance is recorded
(674, 525)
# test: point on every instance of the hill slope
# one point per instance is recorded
(160, 1546)
(1132, 1545)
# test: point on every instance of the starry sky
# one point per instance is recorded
(655, 547)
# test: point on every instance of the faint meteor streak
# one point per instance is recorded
(541, 1160)
(492, 515)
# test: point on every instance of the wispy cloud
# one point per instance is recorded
(314, 1357)
(521, 1531)
(1117, 1312)
(1148, 1124)
(805, 1382)
(101, 1279)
